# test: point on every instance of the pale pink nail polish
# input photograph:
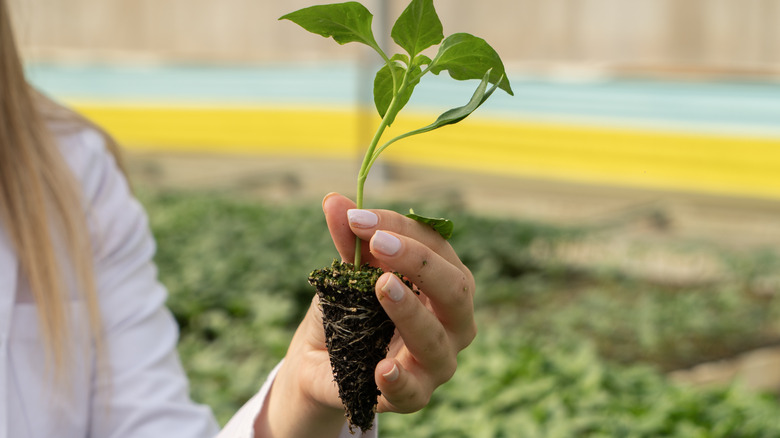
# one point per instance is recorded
(385, 243)
(362, 218)
(392, 375)
(393, 288)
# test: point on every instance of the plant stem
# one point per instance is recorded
(369, 158)
(363, 174)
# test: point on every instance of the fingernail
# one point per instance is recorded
(385, 243)
(392, 375)
(393, 288)
(362, 218)
(327, 197)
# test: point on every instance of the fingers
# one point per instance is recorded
(344, 223)
(432, 329)
(402, 391)
(428, 358)
(335, 208)
(424, 335)
(308, 362)
(449, 289)
(415, 250)
(365, 222)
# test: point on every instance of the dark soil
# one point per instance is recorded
(357, 333)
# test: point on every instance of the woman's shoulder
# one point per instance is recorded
(86, 152)
(81, 147)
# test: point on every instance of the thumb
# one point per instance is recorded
(335, 207)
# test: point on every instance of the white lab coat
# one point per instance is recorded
(148, 394)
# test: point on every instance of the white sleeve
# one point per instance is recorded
(145, 392)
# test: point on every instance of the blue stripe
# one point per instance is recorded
(738, 107)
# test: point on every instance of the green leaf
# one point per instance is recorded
(465, 56)
(455, 115)
(421, 60)
(384, 88)
(400, 57)
(418, 27)
(441, 225)
(344, 22)
(449, 117)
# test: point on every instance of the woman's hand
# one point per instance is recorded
(432, 327)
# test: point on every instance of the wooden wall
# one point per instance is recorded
(698, 35)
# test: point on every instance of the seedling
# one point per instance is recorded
(358, 331)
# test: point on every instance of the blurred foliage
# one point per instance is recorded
(509, 384)
(562, 351)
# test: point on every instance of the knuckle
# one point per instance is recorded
(445, 364)
(468, 334)
(462, 290)
(465, 288)
(448, 370)
(438, 345)
(410, 399)
(416, 401)
(393, 220)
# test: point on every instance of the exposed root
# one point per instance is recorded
(357, 333)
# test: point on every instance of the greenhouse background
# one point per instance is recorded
(619, 212)
(665, 77)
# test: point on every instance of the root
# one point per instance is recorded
(357, 333)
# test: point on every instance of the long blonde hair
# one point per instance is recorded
(41, 207)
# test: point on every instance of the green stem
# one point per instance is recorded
(388, 143)
(363, 175)
(370, 158)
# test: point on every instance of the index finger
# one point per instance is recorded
(343, 230)
(335, 207)
(365, 222)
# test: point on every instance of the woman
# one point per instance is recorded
(87, 347)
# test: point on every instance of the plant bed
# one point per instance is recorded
(253, 311)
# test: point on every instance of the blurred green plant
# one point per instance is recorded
(562, 351)
(510, 384)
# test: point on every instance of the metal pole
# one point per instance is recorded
(368, 64)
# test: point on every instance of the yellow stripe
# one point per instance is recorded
(707, 163)
(229, 130)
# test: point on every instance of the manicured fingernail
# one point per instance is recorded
(385, 243)
(392, 375)
(362, 218)
(393, 288)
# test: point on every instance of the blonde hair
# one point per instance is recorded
(41, 207)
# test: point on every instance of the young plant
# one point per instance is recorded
(357, 343)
